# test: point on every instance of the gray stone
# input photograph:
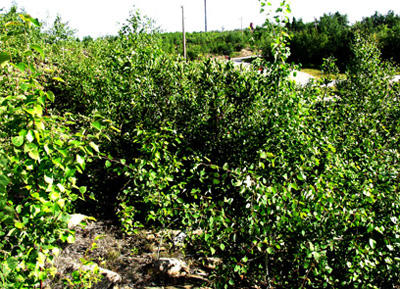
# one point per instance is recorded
(211, 262)
(172, 267)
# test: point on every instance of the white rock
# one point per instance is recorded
(211, 262)
(179, 238)
(77, 219)
(172, 267)
(112, 277)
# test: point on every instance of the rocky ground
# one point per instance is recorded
(145, 260)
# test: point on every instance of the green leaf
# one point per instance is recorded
(20, 66)
(265, 155)
(372, 243)
(50, 96)
(237, 183)
(28, 53)
(108, 164)
(37, 110)
(370, 228)
(222, 246)
(80, 160)
(97, 125)
(58, 79)
(30, 136)
(48, 180)
(3, 190)
(43, 275)
(19, 225)
(61, 187)
(9, 210)
(25, 87)
(76, 275)
(212, 250)
(94, 146)
(18, 141)
(34, 154)
(34, 21)
(214, 167)
(41, 259)
(4, 180)
(69, 172)
(71, 238)
(38, 49)
(13, 23)
(4, 57)
(12, 263)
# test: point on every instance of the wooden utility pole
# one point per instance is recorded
(183, 32)
(241, 25)
(205, 14)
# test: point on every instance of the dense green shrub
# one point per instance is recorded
(41, 154)
(273, 175)
(291, 186)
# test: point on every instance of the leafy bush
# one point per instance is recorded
(271, 173)
(40, 155)
(291, 186)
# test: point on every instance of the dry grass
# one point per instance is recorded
(312, 71)
(317, 73)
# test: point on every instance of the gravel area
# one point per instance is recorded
(301, 77)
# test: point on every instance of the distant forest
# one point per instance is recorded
(329, 36)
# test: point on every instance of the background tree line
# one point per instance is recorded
(332, 35)
(200, 44)
(329, 36)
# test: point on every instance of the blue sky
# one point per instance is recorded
(100, 17)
